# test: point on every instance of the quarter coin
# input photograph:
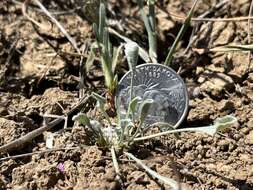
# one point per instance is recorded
(163, 85)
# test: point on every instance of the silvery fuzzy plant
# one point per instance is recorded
(121, 133)
(128, 128)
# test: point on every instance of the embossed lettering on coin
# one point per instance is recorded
(163, 85)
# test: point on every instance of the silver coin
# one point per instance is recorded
(163, 85)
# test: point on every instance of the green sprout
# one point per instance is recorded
(181, 33)
(233, 47)
(108, 55)
(150, 25)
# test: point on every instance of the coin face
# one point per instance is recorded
(163, 85)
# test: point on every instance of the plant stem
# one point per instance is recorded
(116, 165)
(150, 25)
(152, 34)
(31, 135)
(166, 133)
(172, 183)
(62, 29)
(180, 35)
(131, 87)
(40, 152)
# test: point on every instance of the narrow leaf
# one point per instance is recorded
(144, 108)
(234, 47)
(106, 41)
(142, 52)
(115, 82)
(102, 21)
(180, 34)
(132, 105)
(82, 118)
(101, 101)
(132, 52)
(96, 32)
(116, 54)
(90, 60)
(219, 125)
(225, 122)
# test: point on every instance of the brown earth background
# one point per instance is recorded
(39, 74)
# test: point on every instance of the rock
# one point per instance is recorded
(250, 123)
(214, 83)
(240, 66)
(249, 138)
(217, 34)
(201, 111)
(226, 105)
(241, 175)
(199, 70)
(250, 77)
(10, 130)
(3, 111)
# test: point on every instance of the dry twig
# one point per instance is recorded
(61, 28)
(249, 33)
(234, 19)
(31, 135)
(37, 152)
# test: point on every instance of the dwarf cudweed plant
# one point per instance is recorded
(120, 136)
(120, 133)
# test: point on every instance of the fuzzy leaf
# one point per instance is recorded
(151, 2)
(225, 122)
(100, 99)
(82, 118)
(96, 126)
(132, 52)
(126, 122)
(144, 108)
(219, 125)
(102, 21)
(132, 105)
